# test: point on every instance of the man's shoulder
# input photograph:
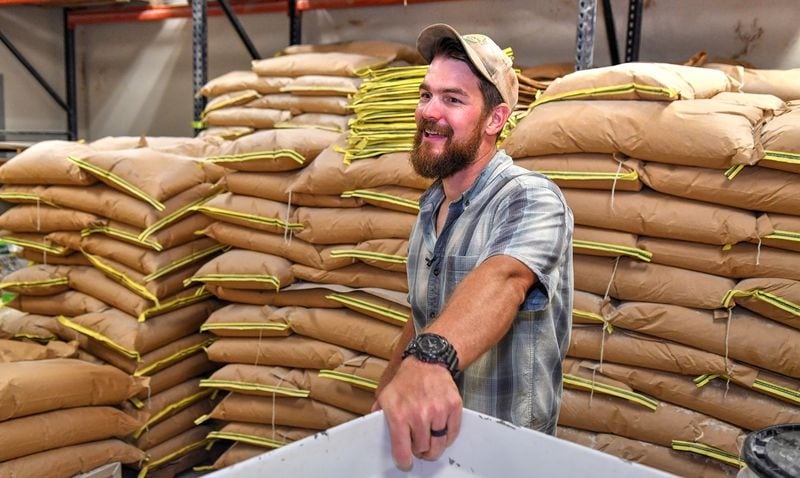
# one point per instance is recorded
(518, 177)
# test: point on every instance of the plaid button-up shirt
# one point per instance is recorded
(514, 212)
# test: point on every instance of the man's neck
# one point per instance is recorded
(455, 185)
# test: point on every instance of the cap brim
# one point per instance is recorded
(429, 36)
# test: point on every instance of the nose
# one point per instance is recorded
(429, 109)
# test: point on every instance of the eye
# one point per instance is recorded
(424, 95)
(453, 99)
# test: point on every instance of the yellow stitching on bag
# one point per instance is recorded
(198, 296)
(99, 337)
(709, 451)
(233, 385)
(160, 364)
(244, 326)
(170, 409)
(349, 378)
(607, 389)
(249, 439)
(376, 256)
(178, 263)
(365, 305)
(125, 185)
(601, 246)
(34, 284)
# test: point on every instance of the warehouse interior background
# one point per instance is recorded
(136, 78)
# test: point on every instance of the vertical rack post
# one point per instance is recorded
(295, 24)
(611, 32)
(199, 59)
(584, 48)
(71, 81)
(634, 34)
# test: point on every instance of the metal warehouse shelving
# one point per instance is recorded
(86, 12)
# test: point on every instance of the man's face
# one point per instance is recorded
(450, 120)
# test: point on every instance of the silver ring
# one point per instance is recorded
(439, 433)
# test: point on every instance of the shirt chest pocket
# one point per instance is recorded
(456, 269)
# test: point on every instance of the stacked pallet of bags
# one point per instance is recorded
(60, 416)
(686, 267)
(303, 86)
(315, 280)
(111, 229)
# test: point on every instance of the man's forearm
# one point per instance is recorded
(483, 306)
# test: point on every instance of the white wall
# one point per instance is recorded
(37, 33)
(135, 78)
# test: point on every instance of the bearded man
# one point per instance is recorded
(489, 264)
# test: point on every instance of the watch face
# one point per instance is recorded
(432, 344)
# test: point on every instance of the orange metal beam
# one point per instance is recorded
(155, 13)
(305, 5)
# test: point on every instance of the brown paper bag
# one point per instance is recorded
(346, 226)
(60, 428)
(46, 163)
(584, 171)
(243, 80)
(709, 133)
(312, 63)
(273, 150)
(605, 414)
(243, 269)
(656, 456)
(629, 279)
(746, 337)
(27, 388)
(655, 214)
(296, 250)
(343, 327)
(293, 412)
(292, 351)
(777, 299)
(73, 460)
(244, 320)
(357, 276)
(640, 81)
(739, 261)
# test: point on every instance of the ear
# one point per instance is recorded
(497, 119)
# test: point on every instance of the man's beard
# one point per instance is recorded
(454, 158)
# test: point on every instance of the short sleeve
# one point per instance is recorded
(532, 224)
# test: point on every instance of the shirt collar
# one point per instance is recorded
(435, 194)
(498, 163)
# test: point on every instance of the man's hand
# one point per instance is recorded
(421, 397)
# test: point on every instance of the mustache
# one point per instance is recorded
(431, 125)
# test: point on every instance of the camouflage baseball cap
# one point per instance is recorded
(482, 51)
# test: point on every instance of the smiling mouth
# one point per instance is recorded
(436, 133)
(433, 134)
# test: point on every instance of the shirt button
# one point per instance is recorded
(436, 271)
(432, 315)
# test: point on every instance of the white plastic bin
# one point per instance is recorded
(486, 447)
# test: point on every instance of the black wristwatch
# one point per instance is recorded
(433, 348)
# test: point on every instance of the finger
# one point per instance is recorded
(401, 444)
(438, 444)
(420, 437)
(453, 425)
